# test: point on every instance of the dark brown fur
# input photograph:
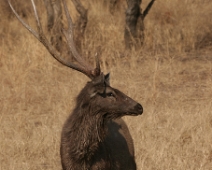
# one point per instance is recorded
(94, 137)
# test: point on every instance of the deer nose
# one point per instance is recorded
(139, 108)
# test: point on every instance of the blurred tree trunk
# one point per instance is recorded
(134, 29)
(54, 22)
(80, 24)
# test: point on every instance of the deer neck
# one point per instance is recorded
(89, 133)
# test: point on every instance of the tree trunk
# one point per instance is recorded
(54, 22)
(80, 24)
(132, 15)
(134, 29)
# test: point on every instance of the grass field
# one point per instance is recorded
(171, 76)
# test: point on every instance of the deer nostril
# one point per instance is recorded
(139, 107)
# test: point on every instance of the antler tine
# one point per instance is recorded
(97, 69)
(69, 34)
(69, 37)
(42, 38)
(22, 22)
(39, 26)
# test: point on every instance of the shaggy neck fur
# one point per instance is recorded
(86, 129)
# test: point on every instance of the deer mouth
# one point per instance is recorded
(134, 113)
(137, 110)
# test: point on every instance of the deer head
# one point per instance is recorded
(109, 102)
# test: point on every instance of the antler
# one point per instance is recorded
(82, 65)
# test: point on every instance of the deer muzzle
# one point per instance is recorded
(139, 108)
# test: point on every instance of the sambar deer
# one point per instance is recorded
(94, 137)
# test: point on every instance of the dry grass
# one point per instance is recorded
(174, 87)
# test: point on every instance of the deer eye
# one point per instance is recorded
(110, 94)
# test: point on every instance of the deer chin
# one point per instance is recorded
(134, 113)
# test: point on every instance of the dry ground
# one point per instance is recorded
(171, 77)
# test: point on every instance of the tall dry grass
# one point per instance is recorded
(170, 76)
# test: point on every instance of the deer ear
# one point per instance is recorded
(107, 78)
